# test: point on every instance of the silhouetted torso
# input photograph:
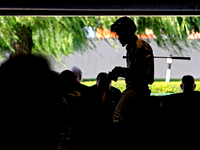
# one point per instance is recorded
(175, 120)
(105, 101)
(33, 113)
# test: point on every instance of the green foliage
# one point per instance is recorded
(53, 37)
(160, 87)
(170, 87)
(171, 32)
(56, 37)
(164, 87)
(120, 84)
(89, 83)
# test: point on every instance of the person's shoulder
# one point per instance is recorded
(196, 92)
(143, 44)
(81, 86)
(194, 95)
(115, 89)
(93, 86)
(189, 96)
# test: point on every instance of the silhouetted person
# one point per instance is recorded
(179, 116)
(106, 98)
(67, 81)
(83, 89)
(104, 92)
(33, 114)
(80, 111)
(188, 84)
(130, 114)
(77, 71)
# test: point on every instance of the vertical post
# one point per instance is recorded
(168, 72)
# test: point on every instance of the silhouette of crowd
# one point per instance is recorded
(43, 109)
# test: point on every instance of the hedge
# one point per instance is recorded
(156, 87)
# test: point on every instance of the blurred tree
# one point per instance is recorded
(171, 33)
(56, 37)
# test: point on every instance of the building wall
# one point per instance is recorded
(104, 58)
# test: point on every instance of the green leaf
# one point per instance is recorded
(59, 36)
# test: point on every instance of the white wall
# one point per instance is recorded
(104, 58)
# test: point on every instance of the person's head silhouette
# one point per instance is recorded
(188, 84)
(125, 28)
(103, 81)
(67, 80)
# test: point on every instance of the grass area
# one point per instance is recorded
(171, 80)
(159, 80)
(159, 86)
(120, 84)
(89, 82)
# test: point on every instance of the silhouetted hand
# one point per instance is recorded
(115, 73)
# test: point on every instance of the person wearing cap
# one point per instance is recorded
(130, 111)
(188, 84)
(139, 57)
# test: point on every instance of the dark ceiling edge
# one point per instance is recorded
(96, 12)
(139, 9)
